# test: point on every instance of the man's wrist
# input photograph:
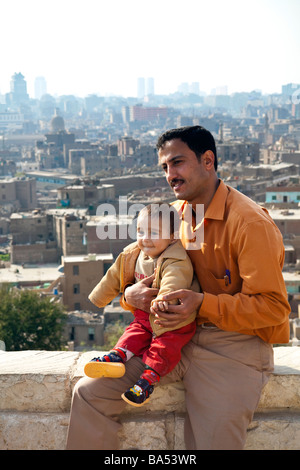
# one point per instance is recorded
(124, 295)
(201, 298)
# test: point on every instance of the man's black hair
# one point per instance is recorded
(197, 138)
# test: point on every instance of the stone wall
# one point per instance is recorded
(36, 389)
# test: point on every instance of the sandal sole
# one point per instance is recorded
(95, 370)
(132, 402)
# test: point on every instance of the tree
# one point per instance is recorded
(29, 320)
(111, 334)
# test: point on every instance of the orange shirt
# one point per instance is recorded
(239, 267)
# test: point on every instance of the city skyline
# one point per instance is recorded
(104, 49)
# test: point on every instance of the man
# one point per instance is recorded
(242, 309)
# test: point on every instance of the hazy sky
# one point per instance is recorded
(96, 46)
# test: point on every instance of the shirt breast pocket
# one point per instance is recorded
(216, 285)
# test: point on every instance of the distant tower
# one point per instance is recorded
(40, 87)
(183, 88)
(266, 122)
(221, 135)
(150, 86)
(267, 138)
(194, 88)
(141, 88)
(18, 89)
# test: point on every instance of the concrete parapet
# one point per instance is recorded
(36, 390)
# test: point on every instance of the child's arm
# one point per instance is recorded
(109, 286)
(175, 275)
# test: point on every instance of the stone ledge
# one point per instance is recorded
(36, 389)
(42, 381)
(48, 431)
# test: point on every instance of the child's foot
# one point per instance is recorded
(109, 365)
(139, 394)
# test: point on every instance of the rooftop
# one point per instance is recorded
(89, 257)
(110, 220)
(283, 189)
(282, 214)
(29, 273)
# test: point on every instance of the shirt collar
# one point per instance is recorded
(216, 207)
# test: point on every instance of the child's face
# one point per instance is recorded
(151, 238)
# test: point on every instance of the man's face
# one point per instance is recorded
(187, 176)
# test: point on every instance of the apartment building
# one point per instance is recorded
(144, 155)
(33, 239)
(109, 234)
(127, 145)
(283, 194)
(70, 231)
(31, 227)
(81, 274)
(84, 330)
(141, 113)
(85, 195)
(238, 151)
(20, 193)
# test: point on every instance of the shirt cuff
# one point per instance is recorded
(210, 309)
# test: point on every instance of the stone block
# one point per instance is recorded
(33, 431)
(36, 380)
(144, 434)
(274, 431)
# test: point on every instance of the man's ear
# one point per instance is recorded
(208, 159)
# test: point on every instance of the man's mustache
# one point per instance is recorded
(175, 181)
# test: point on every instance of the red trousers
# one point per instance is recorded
(161, 353)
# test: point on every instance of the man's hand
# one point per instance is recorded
(141, 294)
(189, 302)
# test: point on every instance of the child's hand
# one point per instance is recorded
(159, 306)
(140, 294)
(189, 302)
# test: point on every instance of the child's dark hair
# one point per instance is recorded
(164, 211)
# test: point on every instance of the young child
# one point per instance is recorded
(156, 250)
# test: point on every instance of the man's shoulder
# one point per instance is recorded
(245, 209)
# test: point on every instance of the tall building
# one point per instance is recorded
(18, 90)
(141, 113)
(150, 86)
(289, 89)
(194, 88)
(40, 87)
(141, 87)
(184, 88)
(145, 87)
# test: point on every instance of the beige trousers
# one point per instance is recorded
(223, 374)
